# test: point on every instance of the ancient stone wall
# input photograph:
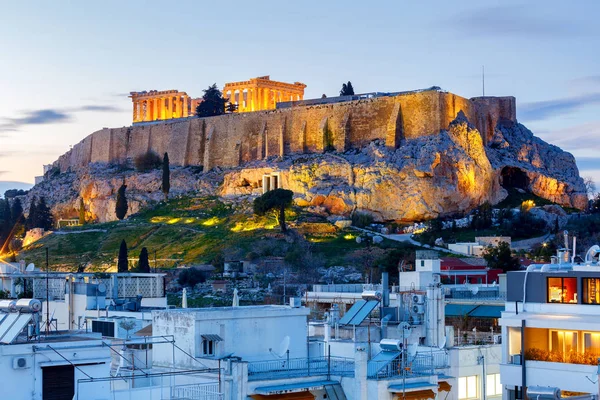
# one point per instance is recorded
(233, 139)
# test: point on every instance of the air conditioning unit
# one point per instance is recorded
(21, 363)
(415, 320)
(295, 302)
(418, 309)
(418, 299)
(516, 359)
(497, 339)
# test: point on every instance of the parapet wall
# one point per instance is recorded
(233, 139)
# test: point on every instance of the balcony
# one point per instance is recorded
(420, 365)
(300, 367)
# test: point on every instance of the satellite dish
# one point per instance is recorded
(30, 268)
(101, 288)
(284, 346)
(443, 344)
(412, 350)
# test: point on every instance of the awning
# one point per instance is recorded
(285, 396)
(298, 387)
(146, 331)
(214, 338)
(409, 387)
(458, 310)
(418, 395)
(487, 311)
(444, 386)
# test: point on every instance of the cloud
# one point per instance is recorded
(587, 81)
(540, 110)
(51, 116)
(4, 172)
(510, 20)
(579, 137)
(588, 163)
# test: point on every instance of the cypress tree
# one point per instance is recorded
(32, 218)
(143, 263)
(122, 264)
(81, 211)
(121, 206)
(16, 211)
(166, 177)
(44, 217)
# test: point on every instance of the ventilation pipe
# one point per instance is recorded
(574, 249)
(386, 289)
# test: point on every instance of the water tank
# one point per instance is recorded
(29, 305)
(8, 305)
(390, 345)
(543, 392)
(371, 295)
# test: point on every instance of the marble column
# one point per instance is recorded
(155, 115)
(134, 111)
(170, 107)
(161, 107)
(254, 98)
(185, 107)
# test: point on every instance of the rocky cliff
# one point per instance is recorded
(428, 176)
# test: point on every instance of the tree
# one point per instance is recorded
(231, 107)
(81, 211)
(44, 216)
(166, 177)
(31, 221)
(147, 161)
(347, 89)
(590, 186)
(212, 103)
(274, 200)
(501, 257)
(121, 206)
(122, 263)
(143, 263)
(16, 211)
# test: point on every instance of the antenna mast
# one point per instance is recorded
(483, 79)
(47, 294)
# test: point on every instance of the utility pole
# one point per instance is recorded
(47, 294)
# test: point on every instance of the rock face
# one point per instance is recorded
(428, 176)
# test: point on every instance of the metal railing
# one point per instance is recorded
(419, 365)
(196, 392)
(300, 367)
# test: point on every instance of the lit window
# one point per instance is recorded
(467, 387)
(492, 385)
(591, 290)
(563, 341)
(591, 343)
(562, 290)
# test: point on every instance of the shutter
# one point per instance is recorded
(58, 383)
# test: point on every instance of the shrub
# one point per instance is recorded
(362, 220)
(191, 277)
(147, 162)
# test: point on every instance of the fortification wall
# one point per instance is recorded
(233, 139)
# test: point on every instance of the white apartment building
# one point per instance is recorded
(551, 330)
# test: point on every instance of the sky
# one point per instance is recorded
(66, 67)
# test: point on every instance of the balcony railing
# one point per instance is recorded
(300, 367)
(420, 365)
(196, 392)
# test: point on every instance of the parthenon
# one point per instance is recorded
(156, 105)
(262, 93)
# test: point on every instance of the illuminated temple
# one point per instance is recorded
(255, 94)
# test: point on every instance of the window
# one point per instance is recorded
(208, 347)
(562, 290)
(492, 385)
(467, 387)
(563, 341)
(591, 343)
(591, 290)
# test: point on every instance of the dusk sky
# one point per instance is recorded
(66, 68)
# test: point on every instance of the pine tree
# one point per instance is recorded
(274, 200)
(122, 263)
(347, 89)
(81, 211)
(166, 177)
(44, 217)
(212, 103)
(121, 206)
(143, 263)
(31, 221)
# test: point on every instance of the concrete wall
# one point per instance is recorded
(232, 139)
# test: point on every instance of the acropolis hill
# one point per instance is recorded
(400, 156)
